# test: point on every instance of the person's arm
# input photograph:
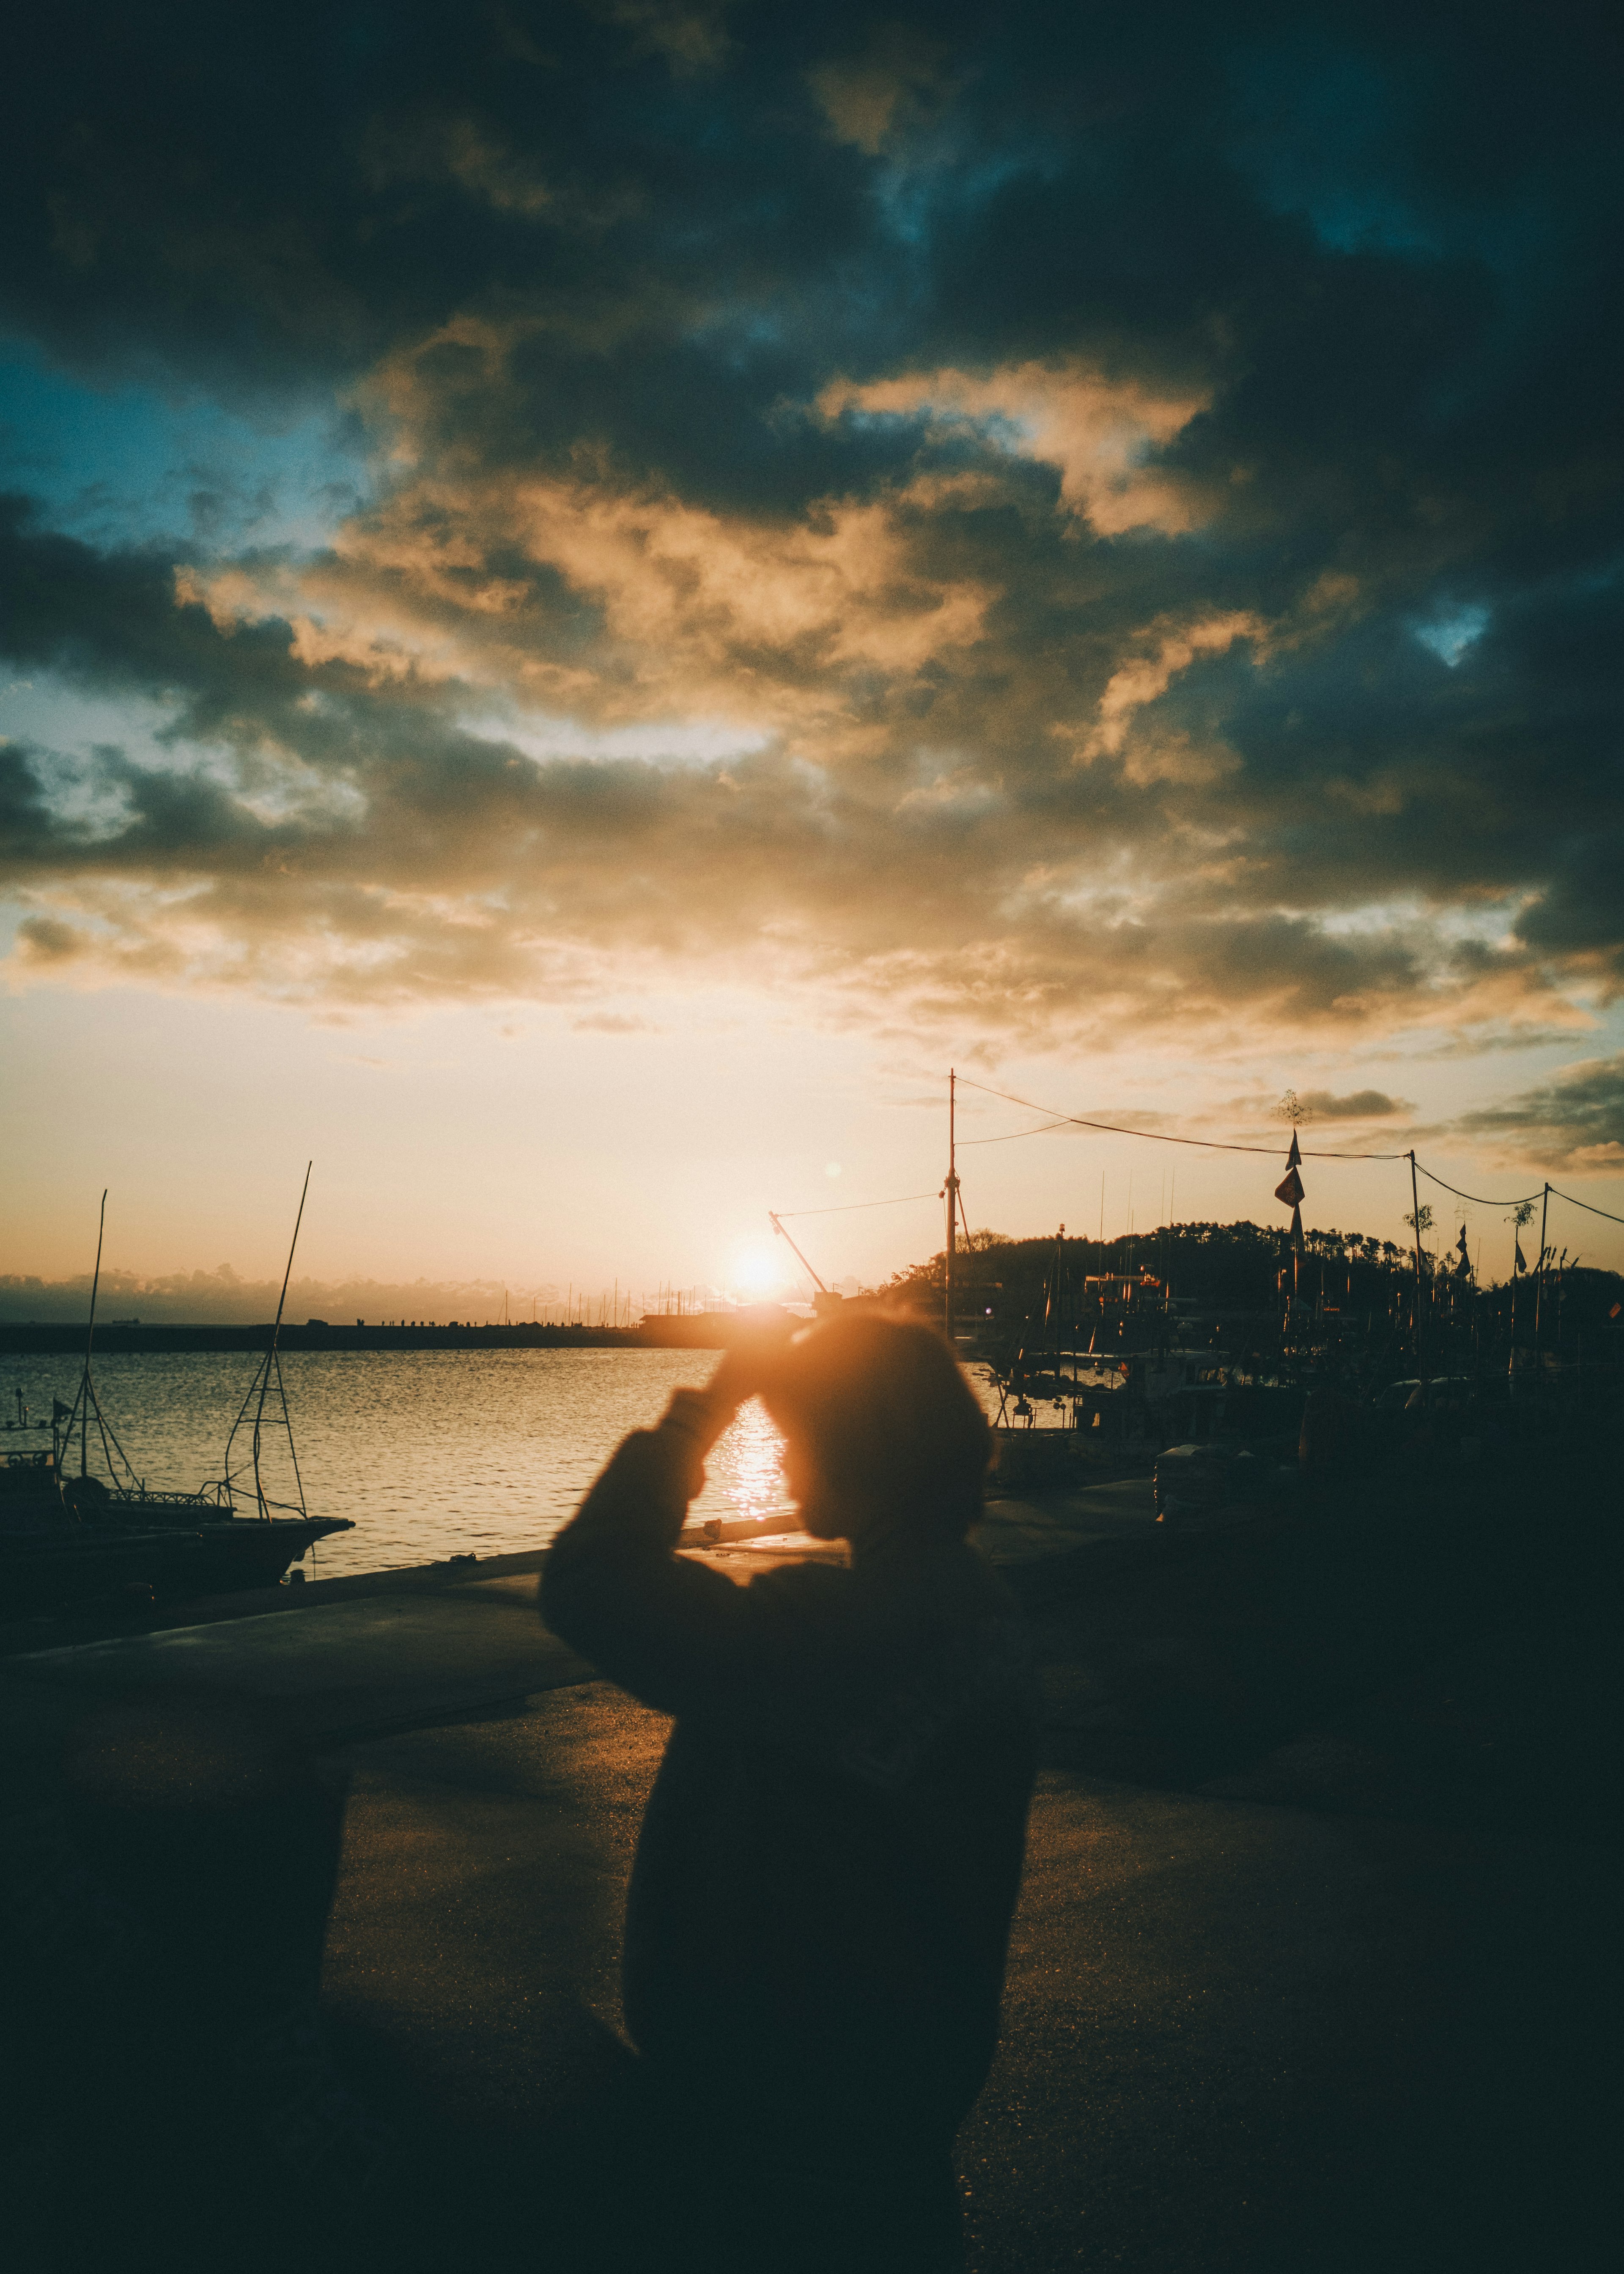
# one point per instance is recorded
(676, 1634)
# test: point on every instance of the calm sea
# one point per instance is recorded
(429, 1453)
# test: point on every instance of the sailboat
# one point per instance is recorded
(71, 1536)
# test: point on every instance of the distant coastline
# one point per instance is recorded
(701, 1330)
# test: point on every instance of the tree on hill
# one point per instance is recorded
(1229, 1266)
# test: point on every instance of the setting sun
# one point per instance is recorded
(756, 1270)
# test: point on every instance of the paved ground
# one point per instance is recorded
(1314, 1966)
(1237, 2034)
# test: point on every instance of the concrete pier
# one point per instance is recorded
(1313, 1963)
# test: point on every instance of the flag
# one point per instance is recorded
(1290, 1189)
(1519, 1265)
(1461, 1245)
(59, 1412)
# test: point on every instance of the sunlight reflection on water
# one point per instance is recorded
(430, 1453)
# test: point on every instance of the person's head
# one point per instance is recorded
(882, 1428)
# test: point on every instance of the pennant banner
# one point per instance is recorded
(1290, 1189)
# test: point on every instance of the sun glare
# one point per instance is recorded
(755, 1270)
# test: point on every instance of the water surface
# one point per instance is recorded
(430, 1453)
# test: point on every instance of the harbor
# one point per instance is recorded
(325, 1878)
(812, 1244)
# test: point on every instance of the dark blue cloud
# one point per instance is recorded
(627, 253)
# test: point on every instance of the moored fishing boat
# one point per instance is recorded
(70, 1538)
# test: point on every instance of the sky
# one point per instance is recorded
(593, 596)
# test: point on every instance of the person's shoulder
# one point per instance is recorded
(803, 1612)
(796, 1587)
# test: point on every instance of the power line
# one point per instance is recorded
(1571, 1199)
(1156, 1136)
(1476, 1199)
(1594, 1210)
(1057, 1120)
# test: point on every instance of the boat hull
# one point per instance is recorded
(72, 1564)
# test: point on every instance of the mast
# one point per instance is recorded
(271, 1357)
(1539, 1284)
(951, 1189)
(90, 1329)
(1059, 1295)
(1414, 1218)
(800, 1258)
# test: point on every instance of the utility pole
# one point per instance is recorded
(951, 1191)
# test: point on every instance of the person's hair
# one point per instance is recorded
(886, 1411)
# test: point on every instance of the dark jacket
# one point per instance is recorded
(831, 1855)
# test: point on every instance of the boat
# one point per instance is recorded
(69, 1538)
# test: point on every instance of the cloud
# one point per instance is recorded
(889, 85)
(1040, 465)
(1573, 1122)
(1098, 430)
(1358, 1105)
(1325, 1105)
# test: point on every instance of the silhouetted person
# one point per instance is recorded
(819, 1910)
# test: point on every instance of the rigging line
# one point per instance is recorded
(1479, 1198)
(1010, 1133)
(293, 1450)
(845, 1207)
(1594, 1210)
(1158, 1137)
